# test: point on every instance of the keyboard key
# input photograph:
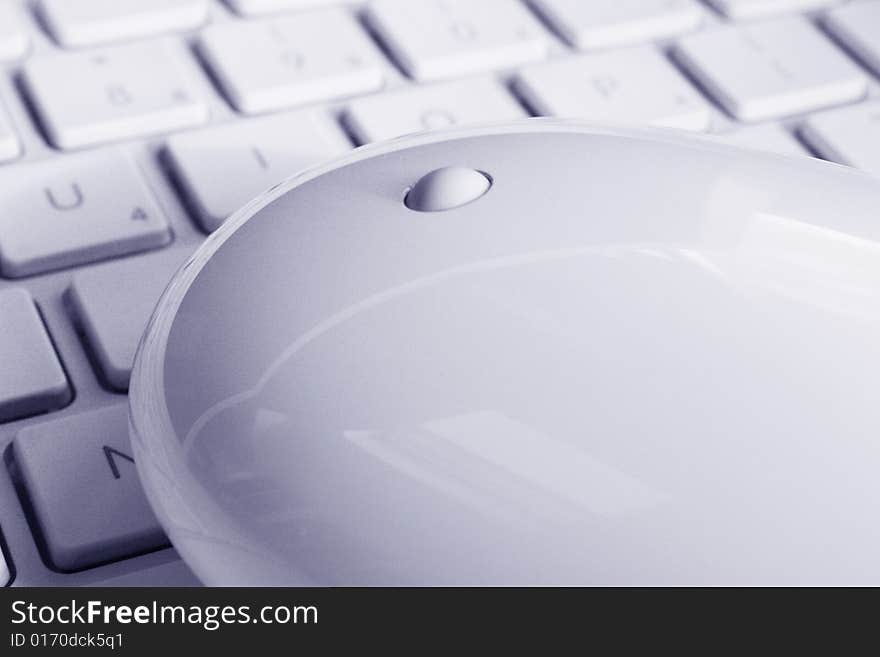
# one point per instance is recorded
(609, 23)
(770, 137)
(771, 69)
(632, 86)
(113, 303)
(31, 378)
(9, 145)
(761, 8)
(849, 135)
(437, 39)
(274, 64)
(84, 490)
(261, 7)
(74, 210)
(14, 41)
(858, 26)
(425, 108)
(87, 98)
(223, 167)
(92, 22)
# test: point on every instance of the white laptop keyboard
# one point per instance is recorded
(130, 129)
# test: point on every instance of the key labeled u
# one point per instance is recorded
(66, 201)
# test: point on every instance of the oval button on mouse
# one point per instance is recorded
(446, 189)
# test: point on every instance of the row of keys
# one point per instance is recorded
(597, 24)
(636, 85)
(496, 32)
(756, 72)
(763, 71)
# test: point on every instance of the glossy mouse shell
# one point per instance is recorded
(639, 358)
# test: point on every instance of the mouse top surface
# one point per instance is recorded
(542, 352)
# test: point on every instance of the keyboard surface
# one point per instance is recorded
(130, 130)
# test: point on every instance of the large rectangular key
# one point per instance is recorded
(771, 69)
(82, 485)
(631, 86)
(73, 210)
(292, 60)
(418, 108)
(611, 23)
(31, 377)
(438, 39)
(91, 97)
(92, 22)
(222, 167)
(760, 8)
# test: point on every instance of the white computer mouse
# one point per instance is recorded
(537, 353)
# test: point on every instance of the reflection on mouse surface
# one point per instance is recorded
(540, 353)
